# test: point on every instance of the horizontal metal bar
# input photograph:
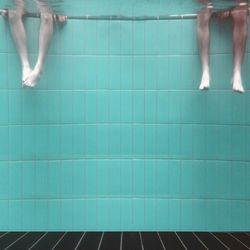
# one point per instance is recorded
(118, 17)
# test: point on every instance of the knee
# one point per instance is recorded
(240, 14)
(47, 18)
(14, 16)
(204, 17)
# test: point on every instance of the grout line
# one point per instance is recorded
(100, 243)
(3, 235)
(15, 241)
(142, 247)
(220, 241)
(121, 241)
(181, 241)
(200, 241)
(161, 241)
(78, 244)
(38, 241)
(57, 243)
(238, 240)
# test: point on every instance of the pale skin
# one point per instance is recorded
(239, 15)
(15, 18)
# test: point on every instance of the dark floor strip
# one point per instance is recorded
(90, 241)
(191, 242)
(69, 241)
(131, 241)
(245, 239)
(210, 241)
(151, 241)
(111, 241)
(48, 241)
(27, 241)
(171, 241)
(230, 241)
(9, 238)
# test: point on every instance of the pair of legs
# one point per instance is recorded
(15, 18)
(239, 15)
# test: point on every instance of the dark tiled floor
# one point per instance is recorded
(123, 241)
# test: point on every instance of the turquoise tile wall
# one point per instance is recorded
(116, 136)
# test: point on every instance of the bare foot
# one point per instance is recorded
(205, 81)
(237, 83)
(26, 72)
(31, 79)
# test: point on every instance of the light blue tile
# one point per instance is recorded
(15, 220)
(54, 215)
(126, 214)
(91, 140)
(66, 142)
(54, 180)
(15, 107)
(115, 37)
(54, 146)
(174, 27)
(150, 107)
(174, 73)
(139, 140)
(174, 214)
(162, 137)
(138, 38)
(225, 175)
(199, 215)
(212, 216)
(28, 180)
(139, 73)
(150, 178)
(114, 178)
(187, 141)
(127, 72)
(138, 178)
(79, 215)
(186, 180)
(150, 215)
(126, 178)
(198, 177)
(79, 141)
(126, 106)
(186, 219)
(174, 175)
(4, 65)
(4, 181)
(150, 140)
(139, 214)
(91, 178)
(5, 150)
(41, 170)
(28, 212)
(174, 144)
(162, 173)
(66, 179)
(151, 35)
(126, 38)
(199, 137)
(127, 136)
(162, 215)
(41, 218)
(238, 215)
(238, 180)
(67, 215)
(41, 139)
(91, 215)
(238, 143)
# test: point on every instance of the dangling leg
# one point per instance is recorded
(203, 20)
(240, 27)
(46, 33)
(19, 35)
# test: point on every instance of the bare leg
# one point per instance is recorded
(46, 32)
(203, 20)
(240, 22)
(19, 35)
